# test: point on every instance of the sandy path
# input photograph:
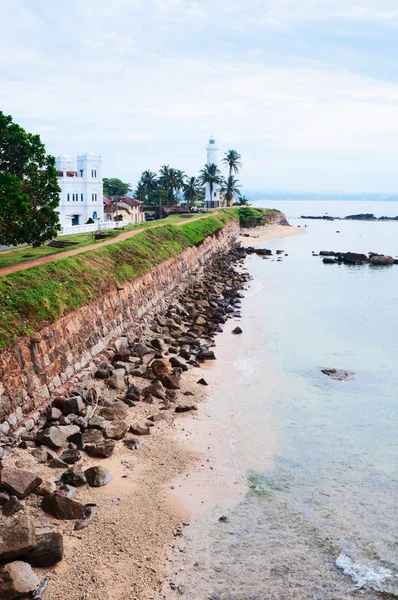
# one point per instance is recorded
(267, 233)
(45, 260)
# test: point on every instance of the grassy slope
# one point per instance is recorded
(21, 255)
(34, 298)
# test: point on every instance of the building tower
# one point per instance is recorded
(212, 158)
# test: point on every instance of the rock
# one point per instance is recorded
(12, 506)
(74, 405)
(133, 393)
(48, 552)
(69, 491)
(70, 457)
(91, 512)
(117, 411)
(237, 330)
(91, 436)
(53, 414)
(159, 417)
(161, 366)
(117, 380)
(158, 344)
(62, 507)
(17, 580)
(17, 537)
(138, 429)
(170, 382)
(202, 381)
(40, 454)
(97, 476)
(354, 258)
(47, 487)
(185, 408)
(100, 449)
(3, 498)
(329, 261)
(337, 374)
(206, 355)
(156, 389)
(95, 422)
(141, 350)
(116, 430)
(176, 362)
(56, 463)
(132, 443)
(18, 482)
(74, 476)
(56, 437)
(81, 422)
(381, 261)
(185, 354)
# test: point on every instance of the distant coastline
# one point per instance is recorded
(359, 217)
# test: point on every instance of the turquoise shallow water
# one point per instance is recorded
(321, 456)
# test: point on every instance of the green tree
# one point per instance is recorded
(230, 187)
(172, 181)
(192, 190)
(242, 201)
(232, 161)
(150, 182)
(29, 191)
(115, 187)
(140, 192)
(210, 174)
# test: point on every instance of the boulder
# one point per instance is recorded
(70, 456)
(117, 380)
(132, 443)
(116, 430)
(138, 429)
(206, 355)
(96, 422)
(53, 414)
(18, 482)
(329, 261)
(185, 408)
(170, 382)
(381, 261)
(202, 381)
(97, 476)
(156, 389)
(56, 436)
(117, 411)
(47, 487)
(101, 449)
(158, 344)
(141, 350)
(74, 476)
(176, 362)
(354, 258)
(133, 393)
(40, 454)
(62, 507)
(90, 436)
(17, 537)
(56, 463)
(237, 330)
(48, 552)
(161, 366)
(17, 580)
(12, 506)
(73, 405)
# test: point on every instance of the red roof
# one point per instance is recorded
(125, 199)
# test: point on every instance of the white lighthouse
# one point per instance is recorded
(212, 200)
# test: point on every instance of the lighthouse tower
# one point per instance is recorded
(212, 200)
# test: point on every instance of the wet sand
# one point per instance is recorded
(267, 233)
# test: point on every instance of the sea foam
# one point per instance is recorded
(364, 577)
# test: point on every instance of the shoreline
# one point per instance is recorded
(268, 233)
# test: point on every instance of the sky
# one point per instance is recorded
(305, 90)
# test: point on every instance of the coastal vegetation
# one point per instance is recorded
(41, 295)
(29, 191)
(115, 187)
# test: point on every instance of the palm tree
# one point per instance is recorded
(230, 187)
(191, 190)
(232, 160)
(140, 192)
(242, 201)
(170, 180)
(150, 181)
(210, 174)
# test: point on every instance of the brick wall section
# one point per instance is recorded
(34, 367)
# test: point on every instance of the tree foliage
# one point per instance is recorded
(230, 187)
(29, 191)
(115, 187)
(232, 160)
(193, 191)
(211, 174)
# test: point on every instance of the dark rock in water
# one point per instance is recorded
(17, 580)
(326, 253)
(62, 507)
(97, 476)
(101, 449)
(138, 429)
(362, 217)
(381, 261)
(185, 408)
(12, 506)
(19, 483)
(74, 476)
(132, 443)
(337, 374)
(237, 330)
(48, 552)
(17, 537)
(354, 258)
(329, 261)
(70, 457)
(202, 381)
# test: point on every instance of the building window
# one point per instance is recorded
(94, 173)
(212, 141)
(81, 197)
(95, 215)
(215, 193)
(68, 197)
(81, 172)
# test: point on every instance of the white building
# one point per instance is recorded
(80, 180)
(212, 201)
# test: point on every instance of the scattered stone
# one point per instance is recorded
(18, 482)
(170, 382)
(141, 350)
(161, 367)
(185, 408)
(53, 414)
(17, 537)
(47, 487)
(70, 457)
(56, 463)
(74, 476)
(116, 430)
(237, 330)
(95, 422)
(100, 449)
(97, 476)
(56, 437)
(3, 498)
(40, 454)
(17, 580)
(73, 405)
(158, 344)
(48, 552)
(132, 443)
(156, 389)
(91, 511)
(206, 355)
(381, 261)
(117, 380)
(202, 381)
(117, 411)
(62, 507)
(91, 436)
(133, 393)
(12, 506)
(159, 417)
(137, 429)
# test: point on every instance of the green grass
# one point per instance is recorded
(27, 253)
(39, 296)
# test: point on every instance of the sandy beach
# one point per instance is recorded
(267, 233)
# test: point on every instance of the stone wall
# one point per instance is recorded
(34, 367)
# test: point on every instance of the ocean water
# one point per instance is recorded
(319, 456)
